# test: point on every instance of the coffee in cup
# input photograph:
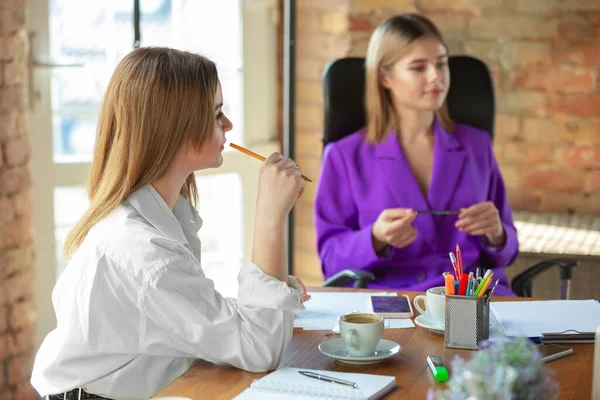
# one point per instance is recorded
(361, 333)
(435, 304)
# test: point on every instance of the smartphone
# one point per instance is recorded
(392, 306)
(551, 352)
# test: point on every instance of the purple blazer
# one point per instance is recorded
(359, 180)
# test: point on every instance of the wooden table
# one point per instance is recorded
(207, 381)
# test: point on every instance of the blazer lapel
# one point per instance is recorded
(448, 161)
(402, 184)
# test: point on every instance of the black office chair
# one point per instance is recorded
(470, 101)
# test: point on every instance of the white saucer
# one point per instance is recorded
(426, 322)
(336, 348)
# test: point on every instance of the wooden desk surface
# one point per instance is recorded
(207, 381)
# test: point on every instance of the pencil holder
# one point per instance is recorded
(467, 321)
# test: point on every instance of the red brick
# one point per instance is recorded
(471, 7)
(524, 154)
(523, 54)
(522, 200)
(7, 212)
(19, 286)
(322, 5)
(486, 50)
(523, 102)
(334, 22)
(25, 391)
(496, 72)
(4, 324)
(14, 180)
(580, 131)
(9, 125)
(577, 28)
(329, 46)
(22, 204)
(553, 180)
(308, 21)
(309, 143)
(13, 19)
(571, 203)
(311, 69)
(14, 73)
(24, 340)
(17, 151)
(581, 156)
(309, 93)
(22, 315)
(592, 182)
(7, 348)
(558, 79)
(362, 22)
(15, 233)
(511, 176)
(507, 126)
(382, 5)
(582, 105)
(555, 6)
(524, 27)
(359, 42)
(19, 370)
(13, 47)
(12, 98)
(450, 24)
(309, 117)
(14, 260)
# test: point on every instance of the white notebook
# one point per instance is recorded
(287, 383)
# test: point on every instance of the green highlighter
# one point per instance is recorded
(438, 369)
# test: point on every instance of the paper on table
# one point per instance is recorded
(324, 308)
(532, 318)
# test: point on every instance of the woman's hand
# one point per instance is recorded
(482, 219)
(305, 295)
(279, 186)
(394, 227)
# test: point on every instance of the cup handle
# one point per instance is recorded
(416, 303)
(351, 339)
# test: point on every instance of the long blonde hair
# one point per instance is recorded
(388, 42)
(157, 100)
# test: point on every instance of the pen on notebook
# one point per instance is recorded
(438, 212)
(258, 157)
(329, 379)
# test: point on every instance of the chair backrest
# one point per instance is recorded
(470, 98)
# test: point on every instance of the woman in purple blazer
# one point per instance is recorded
(410, 157)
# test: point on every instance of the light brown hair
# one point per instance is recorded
(157, 100)
(388, 43)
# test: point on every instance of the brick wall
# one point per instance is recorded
(545, 59)
(17, 312)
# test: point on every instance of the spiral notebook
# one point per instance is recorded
(287, 383)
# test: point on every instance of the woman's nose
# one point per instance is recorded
(434, 74)
(227, 125)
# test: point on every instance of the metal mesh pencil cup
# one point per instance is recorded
(467, 321)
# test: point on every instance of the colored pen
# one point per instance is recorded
(485, 285)
(438, 212)
(493, 288)
(459, 260)
(487, 274)
(449, 280)
(470, 285)
(328, 379)
(462, 287)
(454, 265)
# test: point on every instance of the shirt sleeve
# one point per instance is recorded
(504, 255)
(184, 316)
(341, 242)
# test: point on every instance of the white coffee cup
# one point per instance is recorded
(361, 332)
(435, 304)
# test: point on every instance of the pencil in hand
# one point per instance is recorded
(259, 157)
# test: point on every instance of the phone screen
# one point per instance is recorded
(395, 304)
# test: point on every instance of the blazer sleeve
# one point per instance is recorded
(341, 242)
(505, 255)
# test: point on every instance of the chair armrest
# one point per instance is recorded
(521, 284)
(343, 278)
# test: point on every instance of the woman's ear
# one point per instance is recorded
(384, 78)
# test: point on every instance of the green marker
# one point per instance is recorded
(438, 369)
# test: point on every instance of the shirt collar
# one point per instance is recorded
(150, 204)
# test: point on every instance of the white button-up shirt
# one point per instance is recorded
(134, 309)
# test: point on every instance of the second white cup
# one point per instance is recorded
(434, 304)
